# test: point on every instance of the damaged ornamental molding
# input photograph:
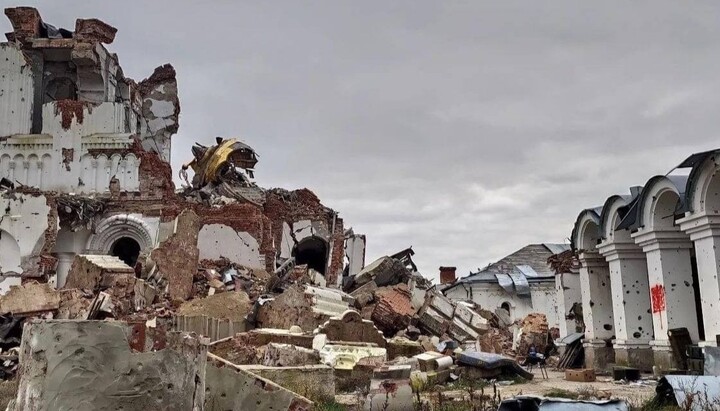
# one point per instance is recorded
(116, 227)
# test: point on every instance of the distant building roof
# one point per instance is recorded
(515, 271)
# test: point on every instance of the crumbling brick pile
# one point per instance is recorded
(166, 304)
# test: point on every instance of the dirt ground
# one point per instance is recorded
(633, 392)
(604, 387)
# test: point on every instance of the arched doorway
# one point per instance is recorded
(312, 251)
(127, 250)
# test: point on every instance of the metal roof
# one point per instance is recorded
(515, 272)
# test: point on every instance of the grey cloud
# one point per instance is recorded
(465, 129)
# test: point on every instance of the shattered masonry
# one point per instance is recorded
(219, 294)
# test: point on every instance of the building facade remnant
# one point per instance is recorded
(649, 264)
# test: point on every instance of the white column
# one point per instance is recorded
(596, 298)
(672, 296)
(65, 261)
(567, 288)
(630, 294)
(705, 233)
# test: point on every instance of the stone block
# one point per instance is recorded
(392, 372)
(229, 387)
(87, 271)
(350, 327)
(286, 355)
(401, 347)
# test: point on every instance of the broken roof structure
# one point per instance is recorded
(516, 271)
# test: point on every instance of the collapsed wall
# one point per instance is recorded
(77, 126)
(107, 366)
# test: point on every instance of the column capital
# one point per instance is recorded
(614, 251)
(591, 259)
(662, 239)
(700, 225)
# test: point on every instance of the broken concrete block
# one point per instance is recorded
(346, 356)
(350, 327)
(30, 298)
(426, 361)
(229, 387)
(402, 347)
(392, 372)
(87, 271)
(94, 365)
(364, 295)
(177, 257)
(384, 271)
(304, 306)
(243, 348)
(286, 355)
(121, 289)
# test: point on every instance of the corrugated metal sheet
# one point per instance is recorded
(17, 91)
(521, 283)
(505, 282)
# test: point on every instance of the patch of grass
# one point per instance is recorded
(329, 406)
(560, 393)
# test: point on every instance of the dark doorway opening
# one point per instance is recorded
(696, 288)
(127, 250)
(312, 251)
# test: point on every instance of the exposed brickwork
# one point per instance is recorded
(94, 31)
(447, 275)
(393, 310)
(25, 21)
(293, 206)
(69, 109)
(177, 257)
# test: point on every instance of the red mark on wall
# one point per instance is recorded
(657, 298)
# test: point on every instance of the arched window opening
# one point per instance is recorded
(505, 306)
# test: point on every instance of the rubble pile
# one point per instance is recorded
(219, 295)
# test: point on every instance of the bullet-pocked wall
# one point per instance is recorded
(660, 243)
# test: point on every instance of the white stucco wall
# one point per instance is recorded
(218, 240)
(355, 253)
(37, 159)
(16, 91)
(24, 219)
(543, 299)
(567, 287)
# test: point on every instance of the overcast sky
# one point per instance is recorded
(464, 129)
